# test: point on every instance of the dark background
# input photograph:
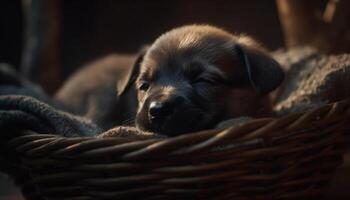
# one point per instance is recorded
(11, 30)
(112, 26)
(90, 29)
(48, 40)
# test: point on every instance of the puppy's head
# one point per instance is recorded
(185, 79)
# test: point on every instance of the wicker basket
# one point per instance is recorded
(293, 157)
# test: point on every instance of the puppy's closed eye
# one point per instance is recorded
(143, 86)
(210, 79)
(205, 80)
(198, 74)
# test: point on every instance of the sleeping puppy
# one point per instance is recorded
(193, 77)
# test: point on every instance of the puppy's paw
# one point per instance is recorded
(233, 122)
(130, 133)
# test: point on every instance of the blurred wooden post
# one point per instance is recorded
(305, 23)
(40, 57)
(298, 21)
(339, 28)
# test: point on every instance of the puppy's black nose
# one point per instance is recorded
(160, 109)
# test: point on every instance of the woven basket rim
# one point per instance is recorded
(277, 151)
(257, 131)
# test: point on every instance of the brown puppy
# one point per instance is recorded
(193, 77)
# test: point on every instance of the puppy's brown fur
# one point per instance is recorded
(195, 76)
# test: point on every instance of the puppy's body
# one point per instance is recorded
(91, 92)
(191, 78)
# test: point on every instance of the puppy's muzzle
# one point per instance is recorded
(162, 109)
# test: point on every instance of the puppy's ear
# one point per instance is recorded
(263, 72)
(124, 83)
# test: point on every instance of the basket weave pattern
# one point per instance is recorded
(293, 157)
